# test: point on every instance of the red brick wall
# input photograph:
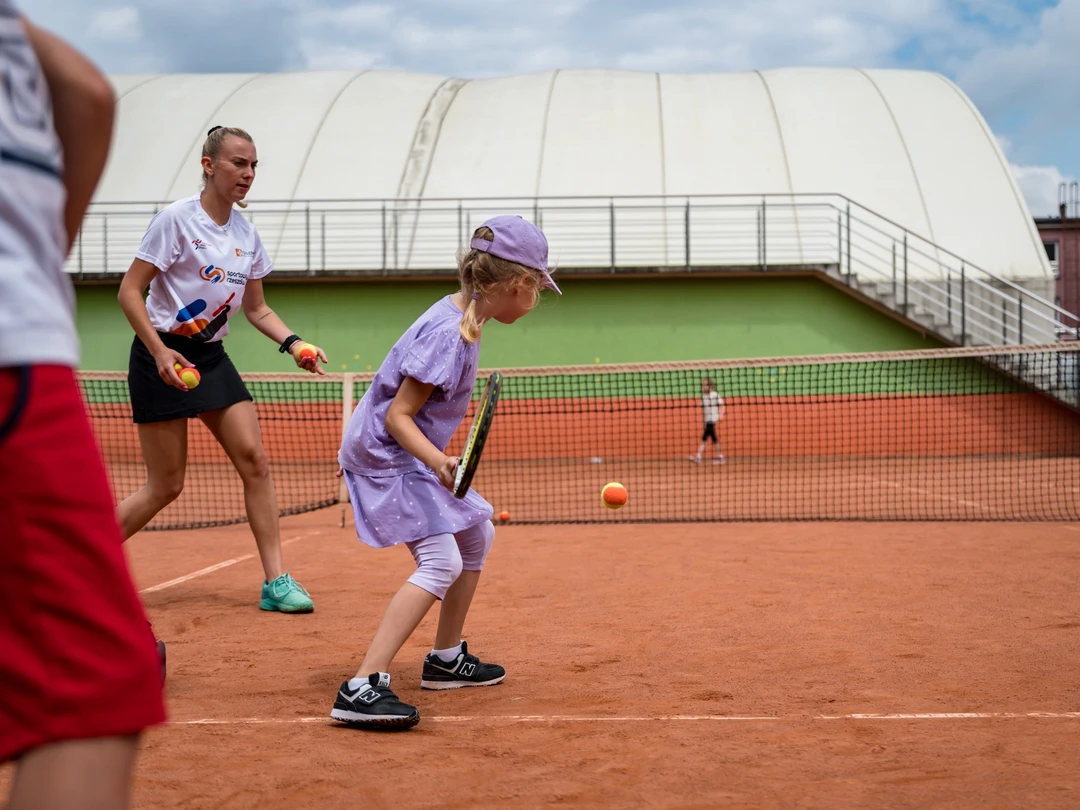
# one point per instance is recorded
(1067, 235)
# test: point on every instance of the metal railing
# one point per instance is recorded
(822, 232)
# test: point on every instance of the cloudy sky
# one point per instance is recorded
(1019, 60)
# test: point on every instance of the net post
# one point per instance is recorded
(346, 414)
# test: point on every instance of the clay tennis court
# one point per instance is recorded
(697, 664)
(674, 665)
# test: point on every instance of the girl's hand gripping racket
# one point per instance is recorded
(478, 433)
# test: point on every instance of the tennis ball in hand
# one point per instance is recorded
(188, 376)
(613, 495)
(504, 517)
(305, 351)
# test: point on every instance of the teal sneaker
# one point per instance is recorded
(286, 595)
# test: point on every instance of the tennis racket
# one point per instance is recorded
(478, 433)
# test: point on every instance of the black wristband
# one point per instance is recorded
(288, 342)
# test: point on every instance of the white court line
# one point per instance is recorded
(1041, 484)
(927, 493)
(662, 718)
(211, 569)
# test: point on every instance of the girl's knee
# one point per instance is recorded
(438, 565)
(475, 544)
(452, 568)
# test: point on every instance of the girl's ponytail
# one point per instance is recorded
(470, 324)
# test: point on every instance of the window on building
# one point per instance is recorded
(1051, 249)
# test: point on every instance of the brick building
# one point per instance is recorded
(1061, 240)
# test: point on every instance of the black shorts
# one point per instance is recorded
(710, 432)
(154, 400)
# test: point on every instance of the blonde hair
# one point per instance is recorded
(215, 139)
(482, 274)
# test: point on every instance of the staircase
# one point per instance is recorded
(1054, 373)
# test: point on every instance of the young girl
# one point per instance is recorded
(712, 407)
(203, 263)
(399, 477)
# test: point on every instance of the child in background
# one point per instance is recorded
(399, 476)
(712, 406)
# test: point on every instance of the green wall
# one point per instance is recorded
(607, 321)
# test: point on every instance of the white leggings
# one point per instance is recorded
(441, 558)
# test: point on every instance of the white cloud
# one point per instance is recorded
(1041, 70)
(366, 14)
(338, 57)
(116, 25)
(1040, 186)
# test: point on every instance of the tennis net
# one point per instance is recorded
(952, 434)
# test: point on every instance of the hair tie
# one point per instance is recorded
(476, 296)
(212, 130)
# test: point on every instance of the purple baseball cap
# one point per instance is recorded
(519, 241)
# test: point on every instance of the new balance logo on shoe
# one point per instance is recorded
(466, 670)
(364, 694)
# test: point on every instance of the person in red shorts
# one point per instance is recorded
(79, 672)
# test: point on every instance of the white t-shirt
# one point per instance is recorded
(37, 301)
(204, 269)
(711, 404)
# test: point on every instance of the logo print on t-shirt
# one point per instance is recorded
(199, 328)
(244, 254)
(199, 244)
(209, 272)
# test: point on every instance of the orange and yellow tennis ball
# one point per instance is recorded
(188, 376)
(613, 495)
(504, 517)
(306, 352)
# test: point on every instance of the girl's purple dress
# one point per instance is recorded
(395, 498)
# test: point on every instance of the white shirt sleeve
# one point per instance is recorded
(261, 266)
(161, 245)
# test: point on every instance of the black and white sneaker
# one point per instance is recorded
(465, 670)
(373, 705)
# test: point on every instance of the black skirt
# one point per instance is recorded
(154, 400)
